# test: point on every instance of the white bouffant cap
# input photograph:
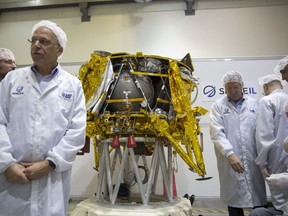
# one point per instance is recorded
(269, 78)
(6, 54)
(281, 65)
(232, 76)
(59, 33)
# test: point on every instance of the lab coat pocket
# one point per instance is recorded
(64, 108)
(66, 99)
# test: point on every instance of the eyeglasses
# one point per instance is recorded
(43, 42)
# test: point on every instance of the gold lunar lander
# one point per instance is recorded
(138, 105)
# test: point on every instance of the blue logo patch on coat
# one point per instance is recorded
(226, 111)
(18, 90)
(67, 95)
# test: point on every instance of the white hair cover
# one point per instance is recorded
(281, 65)
(269, 78)
(6, 54)
(232, 76)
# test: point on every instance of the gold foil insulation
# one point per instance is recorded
(181, 131)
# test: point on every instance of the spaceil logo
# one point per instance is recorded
(211, 92)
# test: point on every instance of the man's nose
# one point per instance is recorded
(13, 66)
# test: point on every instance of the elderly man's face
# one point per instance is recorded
(45, 48)
(6, 65)
(234, 90)
(284, 73)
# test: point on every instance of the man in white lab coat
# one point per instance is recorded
(232, 131)
(271, 129)
(42, 127)
(282, 69)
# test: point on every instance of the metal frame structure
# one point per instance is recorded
(159, 160)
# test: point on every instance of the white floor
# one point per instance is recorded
(209, 207)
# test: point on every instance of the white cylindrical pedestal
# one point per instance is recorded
(177, 207)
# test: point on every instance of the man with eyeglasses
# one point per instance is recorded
(7, 62)
(42, 127)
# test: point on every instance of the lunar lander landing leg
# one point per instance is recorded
(147, 188)
(146, 202)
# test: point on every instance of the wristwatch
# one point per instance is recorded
(52, 164)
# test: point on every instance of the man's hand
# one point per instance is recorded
(15, 174)
(264, 171)
(36, 170)
(236, 164)
(278, 182)
(286, 144)
(286, 109)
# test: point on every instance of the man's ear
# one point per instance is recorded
(60, 51)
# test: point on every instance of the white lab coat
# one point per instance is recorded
(35, 126)
(233, 131)
(271, 130)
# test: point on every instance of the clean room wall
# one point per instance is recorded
(161, 30)
(251, 31)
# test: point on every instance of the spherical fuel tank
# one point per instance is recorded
(126, 88)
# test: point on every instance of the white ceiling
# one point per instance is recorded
(18, 5)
